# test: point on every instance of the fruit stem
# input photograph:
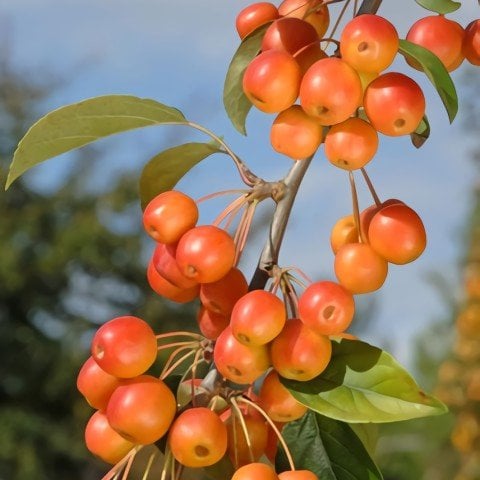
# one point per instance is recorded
(356, 211)
(219, 194)
(274, 428)
(117, 468)
(176, 344)
(193, 335)
(376, 199)
(171, 365)
(339, 19)
(166, 464)
(149, 466)
(128, 467)
(238, 413)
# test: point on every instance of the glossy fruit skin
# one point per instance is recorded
(142, 409)
(211, 324)
(298, 475)
(253, 16)
(441, 36)
(326, 307)
(299, 353)
(330, 91)
(289, 35)
(397, 233)
(95, 384)
(297, 8)
(255, 471)
(205, 253)
(103, 441)
(198, 438)
(394, 104)
(307, 56)
(257, 318)
(124, 347)
(277, 401)
(344, 231)
(471, 42)
(369, 212)
(351, 144)
(272, 81)
(369, 43)
(239, 363)
(359, 268)
(169, 215)
(295, 134)
(164, 288)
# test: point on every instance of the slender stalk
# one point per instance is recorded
(355, 208)
(238, 413)
(166, 373)
(371, 187)
(149, 466)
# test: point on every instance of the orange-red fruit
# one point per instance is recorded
(164, 288)
(142, 409)
(198, 438)
(344, 231)
(221, 296)
(211, 324)
(471, 42)
(238, 362)
(330, 91)
(441, 36)
(258, 317)
(169, 215)
(326, 307)
(255, 471)
(394, 104)
(277, 401)
(369, 43)
(103, 441)
(253, 16)
(397, 233)
(367, 214)
(298, 475)
(296, 134)
(289, 35)
(318, 17)
(124, 346)
(205, 253)
(95, 384)
(351, 144)
(307, 56)
(299, 353)
(359, 268)
(272, 80)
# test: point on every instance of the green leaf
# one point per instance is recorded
(164, 170)
(79, 124)
(361, 384)
(237, 105)
(436, 73)
(328, 448)
(421, 134)
(440, 6)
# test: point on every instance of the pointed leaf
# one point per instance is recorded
(328, 448)
(237, 105)
(440, 6)
(421, 134)
(363, 384)
(436, 73)
(79, 124)
(164, 170)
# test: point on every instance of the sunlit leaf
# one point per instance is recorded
(79, 124)
(421, 134)
(436, 73)
(362, 383)
(439, 6)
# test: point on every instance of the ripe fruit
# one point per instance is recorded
(169, 215)
(396, 232)
(205, 253)
(369, 43)
(359, 268)
(95, 384)
(253, 16)
(326, 307)
(237, 362)
(258, 317)
(297, 8)
(125, 346)
(299, 353)
(330, 91)
(344, 231)
(141, 409)
(272, 80)
(394, 104)
(277, 401)
(441, 36)
(351, 144)
(198, 438)
(471, 42)
(255, 471)
(297, 475)
(307, 56)
(211, 324)
(367, 214)
(103, 441)
(296, 134)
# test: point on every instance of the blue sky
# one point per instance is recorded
(178, 52)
